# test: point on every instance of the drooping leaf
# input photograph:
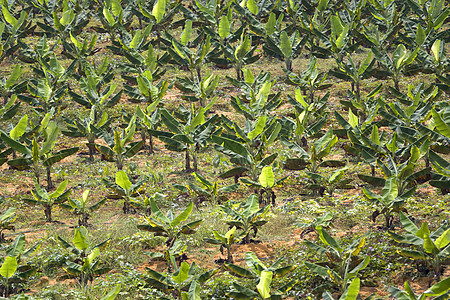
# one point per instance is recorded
(267, 178)
(194, 290)
(9, 267)
(122, 180)
(20, 128)
(351, 293)
(285, 45)
(183, 215)
(252, 6)
(80, 238)
(224, 27)
(159, 9)
(113, 293)
(264, 284)
(186, 36)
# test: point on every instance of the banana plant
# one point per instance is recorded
(435, 61)
(411, 109)
(147, 91)
(48, 90)
(144, 203)
(97, 89)
(168, 225)
(264, 186)
(340, 37)
(351, 293)
(249, 13)
(139, 62)
(256, 98)
(120, 145)
(85, 266)
(314, 25)
(184, 283)
(309, 120)
(88, 128)
(40, 151)
(248, 148)
(150, 118)
(390, 201)
(439, 290)
(312, 156)
(356, 132)
(9, 87)
(204, 188)
(173, 256)
(354, 72)
(285, 47)
(324, 221)
(209, 12)
(124, 189)
(225, 241)
(365, 108)
(71, 21)
(184, 55)
(429, 18)
(441, 178)
(384, 29)
(13, 272)
(49, 200)
(433, 247)
(188, 132)
(248, 218)
(199, 91)
(132, 43)
(240, 55)
(7, 219)
(9, 110)
(406, 176)
(263, 275)
(36, 53)
(16, 133)
(396, 64)
(79, 50)
(114, 19)
(309, 80)
(329, 183)
(160, 13)
(82, 208)
(343, 262)
(12, 30)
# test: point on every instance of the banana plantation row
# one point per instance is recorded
(400, 132)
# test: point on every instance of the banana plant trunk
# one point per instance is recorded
(91, 148)
(288, 63)
(194, 162)
(126, 207)
(187, 165)
(239, 73)
(199, 74)
(50, 185)
(388, 220)
(437, 268)
(150, 142)
(119, 162)
(230, 256)
(83, 220)
(358, 91)
(48, 212)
